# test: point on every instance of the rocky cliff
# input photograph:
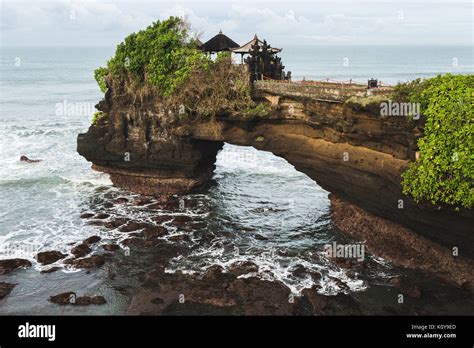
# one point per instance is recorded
(346, 147)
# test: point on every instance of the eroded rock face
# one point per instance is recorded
(136, 145)
(350, 151)
(401, 246)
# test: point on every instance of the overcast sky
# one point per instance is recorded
(106, 23)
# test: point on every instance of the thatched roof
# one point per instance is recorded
(219, 43)
(248, 46)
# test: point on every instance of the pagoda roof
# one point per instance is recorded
(219, 43)
(248, 46)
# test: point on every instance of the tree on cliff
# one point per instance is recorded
(163, 54)
(165, 57)
(444, 173)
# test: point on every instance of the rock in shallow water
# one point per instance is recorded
(70, 298)
(239, 268)
(6, 266)
(155, 232)
(5, 289)
(81, 250)
(406, 287)
(50, 270)
(47, 257)
(217, 292)
(86, 215)
(110, 247)
(89, 262)
(133, 226)
(92, 240)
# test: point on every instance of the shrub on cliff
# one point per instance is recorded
(164, 54)
(162, 62)
(444, 173)
(96, 116)
(99, 75)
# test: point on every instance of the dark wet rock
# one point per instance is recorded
(406, 287)
(51, 270)
(213, 273)
(9, 265)
(216, 292)
(149, 243)
(70, 298)
(81, 250)
(101, 216)
(181, 220)
(153, 232)
(110, 247)
(349, 263)
(92, 240)
(340, 283)
(174, 204)
(318, 302)
(156, 206)
(299, 271)
(24, 158)
(162, 218)
(131, 241)
(47, 257)
(260, 237)
(5, 289)
(198, 226)
(342, 302)
(63, 298)
(116, 223)
(97, 223)
(88, 300)
(315, 275)
(262, 297)
(133, 226)
(121, 200)
(238, 268)
(180, 238)
(164, 252)
(86, 215)
(402, 247)
(142, 200)
(88, 262)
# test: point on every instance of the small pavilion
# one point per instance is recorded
(248, 48)
(218, 43)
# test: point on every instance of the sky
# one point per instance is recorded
(355, 22)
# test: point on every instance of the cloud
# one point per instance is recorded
(103, 22)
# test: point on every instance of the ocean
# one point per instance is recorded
(47, 98)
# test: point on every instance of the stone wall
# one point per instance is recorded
(317, 90)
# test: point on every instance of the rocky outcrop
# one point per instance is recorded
(348, 149)
(401, 246)
(9, 265)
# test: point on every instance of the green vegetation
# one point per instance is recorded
(260, 110)
(444, 173)
(96, 116)
(163, 63)
(99, 75)
(163, 55)
(368, 102)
